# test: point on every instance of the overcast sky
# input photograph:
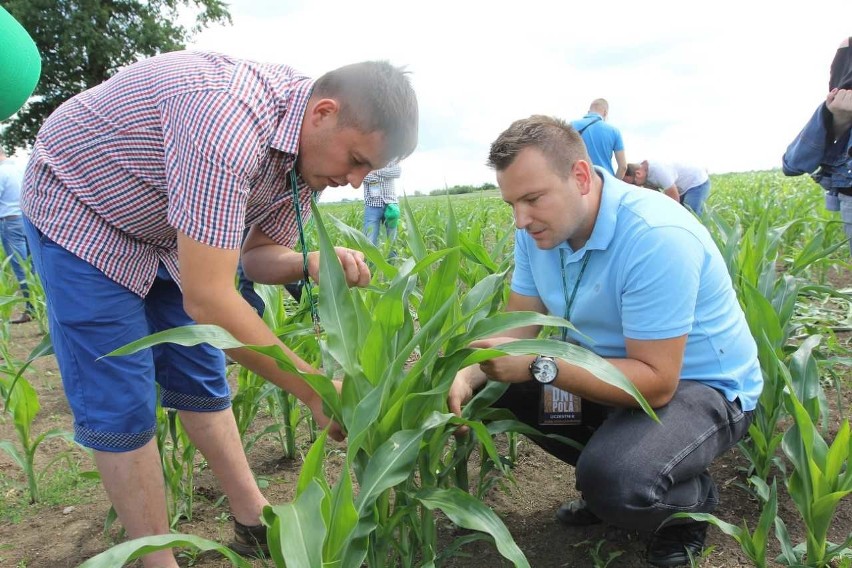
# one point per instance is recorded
(724, 84)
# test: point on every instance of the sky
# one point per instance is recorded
(724, 84)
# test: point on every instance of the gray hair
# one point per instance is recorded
(375, 96)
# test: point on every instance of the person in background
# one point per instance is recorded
(686, 184)
(603, 141)
(12, 230)
(381, 206)
(136, 197)
(592, 250)
(824, 147)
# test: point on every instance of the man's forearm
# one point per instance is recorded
(273, 264)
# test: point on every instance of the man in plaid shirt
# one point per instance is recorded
(136, 197)
(380, 203)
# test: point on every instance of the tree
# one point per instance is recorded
(84, 42)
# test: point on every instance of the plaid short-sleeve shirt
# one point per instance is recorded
(189, 141)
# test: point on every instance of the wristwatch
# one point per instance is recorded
(543, 369)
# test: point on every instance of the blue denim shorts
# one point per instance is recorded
(113, 399)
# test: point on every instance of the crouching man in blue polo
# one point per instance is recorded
(648, 290)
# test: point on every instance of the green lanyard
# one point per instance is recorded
(309, 290)
(569, 298)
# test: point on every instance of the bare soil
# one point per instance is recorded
(71, 529)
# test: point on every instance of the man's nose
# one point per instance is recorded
(521, 217)
(357, 175)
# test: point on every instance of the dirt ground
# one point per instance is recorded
(70, 527)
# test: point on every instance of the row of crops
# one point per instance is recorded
(399, 343)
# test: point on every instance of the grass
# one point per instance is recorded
(60, 486)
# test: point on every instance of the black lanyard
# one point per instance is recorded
(297, 206)
(569, 298)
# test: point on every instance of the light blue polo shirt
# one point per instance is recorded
(601, 139)
(653, 272)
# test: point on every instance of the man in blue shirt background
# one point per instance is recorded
(12, 228)
(603, 140)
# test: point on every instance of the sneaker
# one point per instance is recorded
(250, 540)
(673, 545)
(576, 514)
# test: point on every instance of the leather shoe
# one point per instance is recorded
(576, 514)
(23, 318)
(250, 540)
(674, 544)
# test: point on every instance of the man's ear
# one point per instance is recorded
(322, 110)
(583, 172)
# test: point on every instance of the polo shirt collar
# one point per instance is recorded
(287, 133)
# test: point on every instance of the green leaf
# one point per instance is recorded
(574, 355)
(312, 467)
(123, 553)
(302, 528)
(336, 307)
(467, 512)
(187, 335)
(343, 516)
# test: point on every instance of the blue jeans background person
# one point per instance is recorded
(374, 218)
(695, 197)
(380, 203)
(15, 247)
(12, 228)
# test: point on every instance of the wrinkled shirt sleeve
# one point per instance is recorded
(805, 154)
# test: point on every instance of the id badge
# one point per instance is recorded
(559, 407)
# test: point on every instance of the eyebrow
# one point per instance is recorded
(526, 196)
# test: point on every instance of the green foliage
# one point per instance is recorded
(84, 42)
(461, 189)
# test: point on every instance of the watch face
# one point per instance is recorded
(544, 370)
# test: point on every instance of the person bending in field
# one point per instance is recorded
(824, 146)
(686, 184)
(136, 197)
(648, 290)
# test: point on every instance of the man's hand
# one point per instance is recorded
(461, 391)
(839, 104)
(355, 269)
(506, 369)
(335, 431)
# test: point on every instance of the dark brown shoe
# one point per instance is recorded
(23, 318)
(250, 540)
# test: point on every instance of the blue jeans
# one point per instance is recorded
(694, 197)
(634, 472)
(373, 220)
(846, 215)
(15, 246)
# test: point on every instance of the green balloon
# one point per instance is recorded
(20, 65)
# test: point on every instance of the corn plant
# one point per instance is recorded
(821, 475)
(769, 301)
(21, 401)
(754, 543)
(177, 453)
(396, 374)
(23, 405)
